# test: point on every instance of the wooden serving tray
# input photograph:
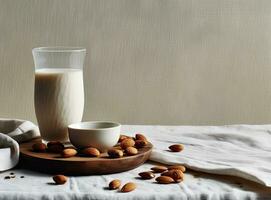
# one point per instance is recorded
(52, 163)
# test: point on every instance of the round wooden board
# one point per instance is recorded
(52, 163)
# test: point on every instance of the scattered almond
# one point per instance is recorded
(91, 152)
(178, 167)
(60, 179)
(174, 173)
(141, 143)
(55, 146)
(176, 147)
(115, 153)
(146, 175)
(39, 147)
(128, 187)
(159, 169)
(164, 180)
(115, 184)
(130, 151)
(139, 136)
(67, 153)
(127, 143)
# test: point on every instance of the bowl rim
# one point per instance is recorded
(76, 126)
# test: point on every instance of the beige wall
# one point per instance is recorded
(149, 61)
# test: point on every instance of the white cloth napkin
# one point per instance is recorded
(13, 131)
(237, 150)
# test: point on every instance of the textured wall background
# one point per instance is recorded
(149, 61)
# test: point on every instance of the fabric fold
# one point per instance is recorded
(237, 150)
(12, 132)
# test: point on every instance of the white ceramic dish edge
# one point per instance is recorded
(98, 134)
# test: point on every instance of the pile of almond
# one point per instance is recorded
(127, 146)
(170, 174)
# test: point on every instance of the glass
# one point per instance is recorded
(59, 90)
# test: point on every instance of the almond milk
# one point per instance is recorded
(59, 101)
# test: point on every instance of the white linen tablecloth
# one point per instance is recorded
(238, 150)
(248, 158)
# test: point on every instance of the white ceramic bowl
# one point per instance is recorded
(98, 134)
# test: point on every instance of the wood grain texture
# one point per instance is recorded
(53, 163)
(148, 62)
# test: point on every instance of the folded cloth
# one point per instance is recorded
(238, 150)
(13, 131)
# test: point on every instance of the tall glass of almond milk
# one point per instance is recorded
(59, 90)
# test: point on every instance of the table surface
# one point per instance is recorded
(196, 185)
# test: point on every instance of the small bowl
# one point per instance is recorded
(99, 134)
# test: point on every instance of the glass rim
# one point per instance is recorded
(60, 49)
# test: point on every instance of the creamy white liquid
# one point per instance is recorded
(59, 101)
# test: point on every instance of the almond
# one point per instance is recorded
(117, 147)
(178, 167)
(140, 143)
(179, 180)
(130, 151)
(176, 147)
(39, 147)
(174, 173)
(164, 180)
(127, 143)
(115, 184)
(159, 169)
(69, 152)
(139, 136)
(146, 175)
(115, 153)
(128, 187)
(55, 146)
(91, 152)
(123, 137)
(60, 179)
